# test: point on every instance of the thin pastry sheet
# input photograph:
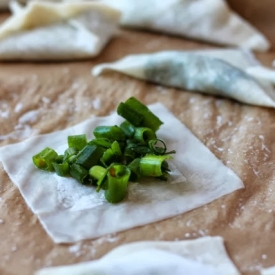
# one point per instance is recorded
(70, 211)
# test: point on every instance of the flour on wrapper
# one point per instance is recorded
(205, 256)
(71, 212)
(64, 31)
(229, 73)
(207, 20)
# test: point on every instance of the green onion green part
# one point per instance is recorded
(130, 114)
(127, 128)
(77, 141)
(109, 132)
(134, 106)
(117, 183)
(89, 156)
(61, 169)
(99, 173)
(151, 165)
(44, 159)
(80, 173)
(144, 135)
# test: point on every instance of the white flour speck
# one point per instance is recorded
(18, 107)
(96, 103)
(187, 235)
(264, 256)
(29, 117)
(74, 248)
(1, 221)
(219, 120)
(188, 223)
(45, 99)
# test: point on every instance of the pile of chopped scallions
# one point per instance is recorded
(116, 155)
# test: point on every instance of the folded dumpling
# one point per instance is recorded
(207, 20)
(57, 31)
(226, 73)
(206, 255)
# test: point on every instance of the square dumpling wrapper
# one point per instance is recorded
(70, 212)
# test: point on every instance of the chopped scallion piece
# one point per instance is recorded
(89, 156)
(151, 165)
(134, 106)
(116, 154)
(159, 150)
(127, 128)
(117, 183)
(78, 141)
(103, 142)
(144, 134)
(44, 159)
(109, 132)
(61, 169)
(80, 173)
(70, 152)
(99, 173)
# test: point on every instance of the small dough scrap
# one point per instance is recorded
(61, 203)
(205, 256)
(230, 73)
(57, 31)
(207, 20)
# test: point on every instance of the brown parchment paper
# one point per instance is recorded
(45, 97)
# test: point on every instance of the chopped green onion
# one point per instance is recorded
(80, 173)
(117, 183)
(116, 148)
(61, 168)
(116, 154)
(70, 152)
(157, 149)
(99, 173)
(134, 106)
(77, 141)
(89, 156)
(144, 134)
(109, 132)
(127, 128)
(44, 159)
(103, 142)
(107, 157)
(72, 159)
(135, 171)
(130, 114)
(151, 165)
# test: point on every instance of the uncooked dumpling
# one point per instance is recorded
(57, 31)
(230, 73)
(203, 256)
(207, 20)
